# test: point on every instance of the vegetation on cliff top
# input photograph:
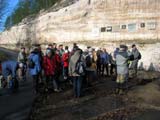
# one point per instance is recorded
(26, 8)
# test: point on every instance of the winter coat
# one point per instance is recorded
(73, 61)
(122, 62)
(134, 63)
(37, 63)
(9, 68)
(104, 58)
(22, 57)
(58, 62)
(49, 65)
(65, 59)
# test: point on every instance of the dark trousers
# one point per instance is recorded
(35, 82)
(98, 68)
(57, 76)
(51, 82)
(24, 71)
(90, 77)
(65, 72)
(104, 66)
(77, 85)
(112, 69)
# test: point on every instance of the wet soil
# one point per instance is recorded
(99, 102)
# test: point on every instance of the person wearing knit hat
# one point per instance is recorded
(77, 72)
(49, 66)
(122, 58)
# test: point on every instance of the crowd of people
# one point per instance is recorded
(78, 67)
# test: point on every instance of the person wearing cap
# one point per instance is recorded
(76, 58)
(49, 66)
(9, 68)
(134, 64)
(122, 58)
(35, 68)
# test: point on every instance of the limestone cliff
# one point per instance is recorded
(104, 23)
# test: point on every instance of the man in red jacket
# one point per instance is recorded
(58, 68)
(49, 66)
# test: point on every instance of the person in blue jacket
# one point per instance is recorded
(104, 56)
(35, 67)
(10, 67)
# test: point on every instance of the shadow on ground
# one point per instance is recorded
(101, 103)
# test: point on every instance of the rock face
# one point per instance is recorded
(101, 21)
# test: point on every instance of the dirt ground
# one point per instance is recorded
(100, 102)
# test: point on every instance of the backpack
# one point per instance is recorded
(31, 63)
(80, 69)
(131, 57)
(139, 56)
(88, 61)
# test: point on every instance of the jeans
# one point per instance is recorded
(77, 84)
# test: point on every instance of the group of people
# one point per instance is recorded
(78, 67)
